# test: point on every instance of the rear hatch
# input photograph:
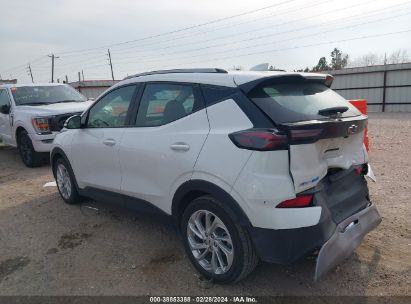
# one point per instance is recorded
(324, 131)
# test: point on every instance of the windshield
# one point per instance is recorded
(298, 101)
(32, 95)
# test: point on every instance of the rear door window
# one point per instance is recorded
(163, 103)
(298, 101)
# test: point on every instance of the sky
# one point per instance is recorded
(163, 34)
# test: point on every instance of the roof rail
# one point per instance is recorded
(205, 70)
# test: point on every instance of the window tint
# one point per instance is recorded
(298, 101)
(111, 110)
(164, 103)
(214, 94)
(4, 98)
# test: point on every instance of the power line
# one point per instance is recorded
(122, 60)
(183, 29)
(161, 34)
(302, 46)
(259, 18)
(24, 65)
(268, 35)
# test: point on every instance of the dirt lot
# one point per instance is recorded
(49, 248)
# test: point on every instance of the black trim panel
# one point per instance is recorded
(285, 246)
(331, 128)
(121, 200)
(182, 198)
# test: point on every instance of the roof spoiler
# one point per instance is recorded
(326, 79)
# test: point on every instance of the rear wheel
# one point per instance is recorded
(218, 248)
(65, 182)
(28, 155)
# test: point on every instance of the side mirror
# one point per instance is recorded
(5, 109)
(73, 122)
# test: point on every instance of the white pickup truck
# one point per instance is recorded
(32, 114)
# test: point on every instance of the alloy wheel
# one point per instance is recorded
(63, 181)
(210, 242)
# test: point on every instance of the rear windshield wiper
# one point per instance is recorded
(332, 111)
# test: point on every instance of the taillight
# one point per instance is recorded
(298, 202)
(362, 169)
(260, 140)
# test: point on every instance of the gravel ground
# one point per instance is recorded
(49, 248)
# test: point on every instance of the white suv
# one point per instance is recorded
(253, 165)
(32, 114)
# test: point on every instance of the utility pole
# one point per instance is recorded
(82, 74)
(79, 78)
(111, 64)
(30, 73)
(66, 79)
(52, 66)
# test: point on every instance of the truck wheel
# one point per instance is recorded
(28, 155)
(219, 249)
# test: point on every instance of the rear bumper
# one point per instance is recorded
(336, 242)
(346, 238)
(285, 246)
(344, 199)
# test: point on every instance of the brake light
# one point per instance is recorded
(298, 202)
(260, 140)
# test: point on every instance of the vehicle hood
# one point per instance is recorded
(57, 108)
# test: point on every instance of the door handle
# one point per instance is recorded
(180, 147)
(109, 142)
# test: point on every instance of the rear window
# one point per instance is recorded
(298, 101)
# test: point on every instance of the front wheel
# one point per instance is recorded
(65, 182)
(28, 155)
(218, 248)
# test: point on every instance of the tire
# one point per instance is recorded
(28, 155)
(240, 258)
(65, 181)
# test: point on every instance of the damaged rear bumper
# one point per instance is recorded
(346, 238)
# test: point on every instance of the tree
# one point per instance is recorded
(339, 60)
(306, 70)
(237, 68)
(322, 65)
(369, 60)
(398, 56)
